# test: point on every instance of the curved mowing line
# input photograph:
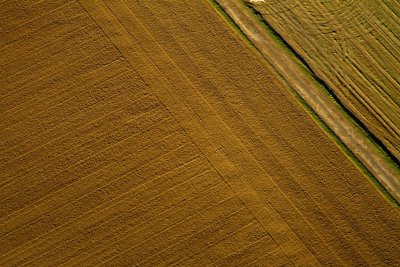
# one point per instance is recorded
(347, 15)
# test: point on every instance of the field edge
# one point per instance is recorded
(302, 65)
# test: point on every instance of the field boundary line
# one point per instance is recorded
(262, 142)
(320, 103)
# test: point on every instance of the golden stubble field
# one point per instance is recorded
(354, 47)
(149, 133)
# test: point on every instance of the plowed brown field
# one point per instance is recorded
(354, 47)
(148, 133)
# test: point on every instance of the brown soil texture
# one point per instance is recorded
(148, 133)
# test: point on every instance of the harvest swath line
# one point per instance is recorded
(35, 48)
(209, 245)
(143, 130)
(245, 236)
(91, 123)
(59, 192)
(208, 226)
(109, 205)
(37, 53)
(218, 227)
(121, 215)
(11, 21)
(55, 185)
(147, 13)
(66, 68)
(124, 112)
(120, 177)
(59, 71)
(59, 95)
(37, 18)
(114, 241)
(77, 113)
(75, 18)
(170, 211)
(233, 260)
(25, 82)
(57, 57)
(56, 67)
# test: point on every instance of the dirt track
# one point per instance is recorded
(148, 133)
(353, 46)
(330, 113)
